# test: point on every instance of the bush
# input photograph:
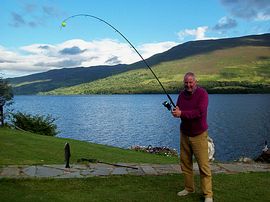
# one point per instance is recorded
(39, 124)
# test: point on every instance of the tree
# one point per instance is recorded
(5, 90)
(6, 96)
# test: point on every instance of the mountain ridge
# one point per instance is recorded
(68, 77)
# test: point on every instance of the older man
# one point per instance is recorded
(191, 107)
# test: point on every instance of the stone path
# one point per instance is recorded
(101, 169)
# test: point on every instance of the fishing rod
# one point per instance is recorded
(168, 105)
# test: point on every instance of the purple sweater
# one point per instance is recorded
(194, 111)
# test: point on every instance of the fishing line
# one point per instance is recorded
(166, 104)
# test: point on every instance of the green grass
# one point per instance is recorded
(26, 83)
(234, 188)
(27, 148)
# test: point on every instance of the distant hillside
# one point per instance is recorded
(225, 65)
(53, 79)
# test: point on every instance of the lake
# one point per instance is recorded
(238, 124)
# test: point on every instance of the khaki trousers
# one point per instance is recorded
(198, 146)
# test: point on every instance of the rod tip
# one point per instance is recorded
(63, 24)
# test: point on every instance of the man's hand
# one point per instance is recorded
(176, 112)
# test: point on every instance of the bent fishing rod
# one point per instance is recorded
(166, 104)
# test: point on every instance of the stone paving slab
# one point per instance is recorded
(120, 171)
(42, 171)
(149, 170)
(87, 172)
(239, 167)
(138, 171)
(10, 171)
(100, 169)
(215, 168)
(76, 174)
(164, 169)
(176, 168)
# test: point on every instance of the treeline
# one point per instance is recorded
(235, 87)
(212, 87)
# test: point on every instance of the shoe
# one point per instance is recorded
(184, 192)
(208, 200)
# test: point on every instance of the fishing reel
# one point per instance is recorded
(168, 105)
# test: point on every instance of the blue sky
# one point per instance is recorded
(31, 39)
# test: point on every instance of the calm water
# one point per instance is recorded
(239, 124)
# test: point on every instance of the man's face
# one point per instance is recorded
(189, 83)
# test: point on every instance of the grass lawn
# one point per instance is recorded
(227, 188)
(26, 148)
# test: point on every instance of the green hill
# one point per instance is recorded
(233, 65)
(53, 79)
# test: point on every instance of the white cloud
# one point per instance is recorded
(148, 49)
(198, 33)
(248, 9)
(225, 23)
(36, 58)
(262, 17)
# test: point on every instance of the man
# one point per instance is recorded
(191, 107)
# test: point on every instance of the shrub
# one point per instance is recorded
(43, 125)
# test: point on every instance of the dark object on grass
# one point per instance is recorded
(67, 154)
(265, 155)
(97, 161)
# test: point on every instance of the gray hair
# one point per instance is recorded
(190, 74)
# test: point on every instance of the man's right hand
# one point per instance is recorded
(176, 112)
